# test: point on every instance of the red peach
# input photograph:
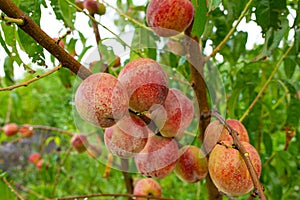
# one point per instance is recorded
(126, 138)
(169, 17)
(216, 132)
(147, 187)
(101, 99)
(146, 83)
(34, 158)
(191, 165)
(10, 129)
(26, 131)
(175, 115)
(158, 158)
(79, 142)
(228, 170)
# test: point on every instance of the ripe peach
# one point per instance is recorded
(169, 17)
(101, 99)
(158, 158)
(126, 138)
(175, 115)
(26, 131)
(146, 83)
(34, 158)
(216, 132)
(228, 170)
(10, 129)
(79, 142)
(191, 165)
(147, 187)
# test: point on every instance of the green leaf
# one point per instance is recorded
(32, 9)
(290, 66)
(297, 20)
(267, 140)
(200, 17)
(32, 48)
(239, 45)
(267, 13)
(9, 70)
(3, 44)
(65, 77)
(293, 114)
(64, 12)
(213, 4)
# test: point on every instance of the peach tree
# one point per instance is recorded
(169, 99)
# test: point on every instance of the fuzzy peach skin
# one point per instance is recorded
(192, 164)
(126, 138)
(216, 132)
(175, 115)
(147, 187)
(169, 17)
(101, 100)
(146, 83)
(158, 158)
(228, 170)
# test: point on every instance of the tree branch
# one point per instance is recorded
(32, 29)
(12, 189)
(38, 77)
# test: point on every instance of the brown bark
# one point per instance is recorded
(32, 29)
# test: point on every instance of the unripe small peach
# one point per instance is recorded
(10, 129)
(34, 158)
(41, 163)
(79, 142)
(26, 131)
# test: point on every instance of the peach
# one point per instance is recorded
(147, 187)
(158, 158)
(175, 115)
(10, 129)
(126, 138)
(146, 83)
(192, 164)
(101, 100)
(169, 17)
(34, 158)
(216, 132)
(79, 142)
(228, 170)
(79, 4)
(26, 131)
(94, 7)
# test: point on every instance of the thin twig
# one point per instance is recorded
(7, 19)
(263, 89)
(48, 128)
(111, 195)
(231, 31)
(12, 189)
(38, 77)
(245, 155)
(128, 17)
(25, 189)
